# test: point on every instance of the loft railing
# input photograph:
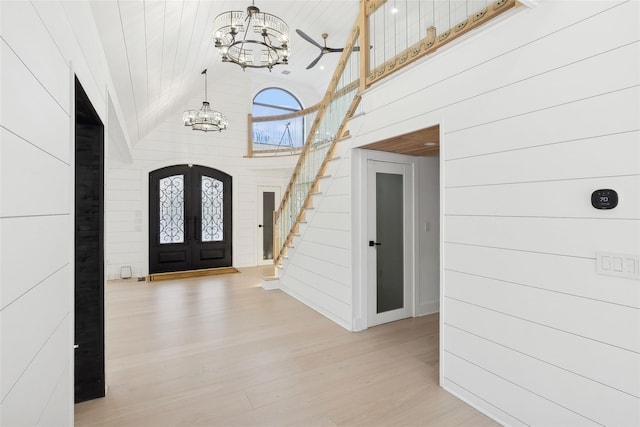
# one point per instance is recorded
(337, 106)
(402, 31)
(395, 33)
(284, 134)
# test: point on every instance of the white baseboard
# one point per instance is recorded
(428, 307)
(270, 283)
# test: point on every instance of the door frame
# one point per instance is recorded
(360, 227)
(194, 170)
(259, 231)
(84, 114)
(407, 310)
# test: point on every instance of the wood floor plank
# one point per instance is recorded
(221, 351)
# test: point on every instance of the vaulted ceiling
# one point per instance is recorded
(156, 50)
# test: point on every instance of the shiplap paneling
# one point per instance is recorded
(319, 282)
(56, 412)
(508, 402)
(530, 128)
(312, 272)
(43, 43)
(548, 309)
(335, 256)
(20, 345)
(19, 272)
(603, 405)
(525, 132)
(17, 80)
(559, 160)
(569, 198)
(31, 192)
(563, 350)
(560, 236)
(569, 275)
(332, 238)
(28, 400)
(20, 26)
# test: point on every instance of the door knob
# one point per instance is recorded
(259, 225)
(372, 243)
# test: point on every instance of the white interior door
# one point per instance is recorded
(390, 251)
(268, 201)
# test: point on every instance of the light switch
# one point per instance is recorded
(619, 265)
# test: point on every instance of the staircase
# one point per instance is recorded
(354, 73)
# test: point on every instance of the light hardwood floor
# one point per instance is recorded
(221, 351)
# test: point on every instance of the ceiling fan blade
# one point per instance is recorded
(315, 61)
(355, 49)
(335, 49)
(309, 39)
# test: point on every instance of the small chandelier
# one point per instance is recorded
(234, 38)
(205, 119)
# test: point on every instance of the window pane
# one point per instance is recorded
(280, 133)
(212, 208)
(289, 133)
(277, 98)
(172, 209)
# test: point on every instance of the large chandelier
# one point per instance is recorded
(254, 39)
(205, 119)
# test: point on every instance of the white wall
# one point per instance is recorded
(427, 230)
(318, 268)
(536, 112)
(171, 143)
(43, 44)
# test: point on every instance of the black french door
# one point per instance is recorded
(189, 219)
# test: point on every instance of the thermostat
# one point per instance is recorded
(604, 199)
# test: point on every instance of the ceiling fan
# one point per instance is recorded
(323, 49)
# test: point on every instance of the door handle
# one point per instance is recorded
(259, 225)
(372, 243)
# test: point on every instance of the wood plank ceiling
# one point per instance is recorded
(423, 142)
(156, 50)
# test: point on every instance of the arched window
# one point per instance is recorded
(277, 134)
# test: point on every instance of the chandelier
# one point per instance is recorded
(205, 119)
(254, 39)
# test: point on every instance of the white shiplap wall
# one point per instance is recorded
(318, 268)
(42, 46)
(537, 111)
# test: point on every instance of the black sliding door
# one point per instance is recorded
(189, 219)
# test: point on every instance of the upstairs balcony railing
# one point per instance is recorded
(396, 33)
(284, 134)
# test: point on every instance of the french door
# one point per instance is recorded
(390, 292)
(268, 199)
(189, 219)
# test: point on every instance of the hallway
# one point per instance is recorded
(222, 351)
